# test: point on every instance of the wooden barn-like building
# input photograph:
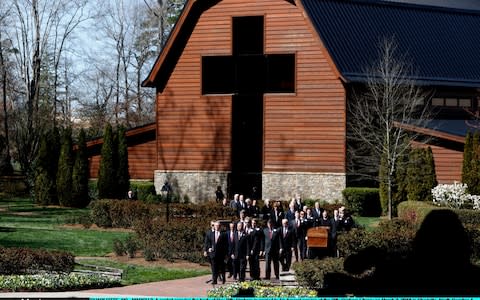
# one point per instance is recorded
(254, 92)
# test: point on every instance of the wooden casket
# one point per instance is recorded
(317, 237)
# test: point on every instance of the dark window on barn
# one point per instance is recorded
(281, 73)
(247, 35)
(218, 74)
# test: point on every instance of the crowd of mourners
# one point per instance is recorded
(271, 232)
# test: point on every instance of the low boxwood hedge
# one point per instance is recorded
(364, 202)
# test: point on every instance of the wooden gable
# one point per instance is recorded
(302, 131)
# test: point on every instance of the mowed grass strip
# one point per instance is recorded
(135, 274)
(24, 224)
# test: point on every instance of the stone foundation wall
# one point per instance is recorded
(198, 186)
(284, 185)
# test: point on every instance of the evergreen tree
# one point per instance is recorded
(65, 167)
(400, 188)
(106, 184)
(52, 162)
(467, 160)
(414, 175)
(474, 174)
(421, 177)
(43, 181)
(431, 174)
(383, 184)
(123, 177)
(80, 174)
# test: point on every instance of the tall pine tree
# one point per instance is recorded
(467, 160)
(123, 176)
(65, 168)
(43, 181)
(107, 174)
(80, 196)
(474, 175)
(53, 145)
(430, 174)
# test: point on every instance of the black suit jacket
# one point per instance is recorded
(220, 248)
(286, 241)
(241, 245)
(271, 245)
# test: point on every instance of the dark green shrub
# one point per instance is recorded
(43, 181)
(363, 201)
(107, 179)
(121, 213)
(143, 189)
(65, 168)
(101, 213)
(80, 183)
(469, 216)
(311, 273)
(473, 232)
(16, 261)
(392, 237)
(421, 178)
(118, 247)
(92, 189)
(131, 246)
(123, 177)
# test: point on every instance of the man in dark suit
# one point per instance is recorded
(256, 244)
(216, 247)
(286, 245)
(276, 216)
(270, 249)
(240, 254)
(231, 249)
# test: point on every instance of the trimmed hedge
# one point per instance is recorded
(124, 214)
(364, 202)
(394, 237)
(310, 273)
(142, 189)
(17, 261)
(415, 211)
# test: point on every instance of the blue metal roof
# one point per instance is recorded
(442, 44)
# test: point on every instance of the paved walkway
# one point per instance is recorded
(185, 288)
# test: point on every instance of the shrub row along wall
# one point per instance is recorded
(15, 261)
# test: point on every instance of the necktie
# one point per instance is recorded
(231, 236)
(285, 232)
(216, 236)
(270, 233)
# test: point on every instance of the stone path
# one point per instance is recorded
(185, 288)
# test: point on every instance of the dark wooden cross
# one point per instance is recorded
(248, 70)
(247, 74)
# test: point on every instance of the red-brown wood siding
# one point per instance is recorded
(304, 131)
(448, 163)
(141, 161)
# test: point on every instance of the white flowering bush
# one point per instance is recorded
(454, 196)
(55, 282)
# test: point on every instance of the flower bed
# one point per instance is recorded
(54, 282)
(260, 289)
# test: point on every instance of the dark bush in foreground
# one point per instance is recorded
(15, 261)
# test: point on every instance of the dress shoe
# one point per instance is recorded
(230, 276)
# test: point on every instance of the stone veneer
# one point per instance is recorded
(196, 185)
(284, 185)
(201, 185)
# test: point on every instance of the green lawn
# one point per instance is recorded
(134, 274)
(368, 222)
(23, 224)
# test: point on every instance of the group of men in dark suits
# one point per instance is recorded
(284, 236)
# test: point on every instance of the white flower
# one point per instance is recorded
(454, 196)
